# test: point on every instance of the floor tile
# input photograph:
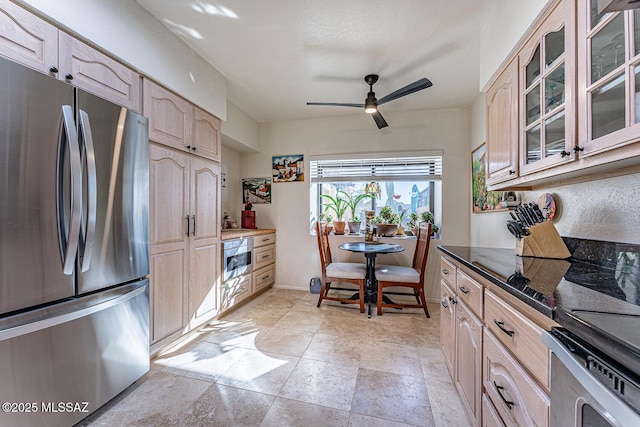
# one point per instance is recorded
(259, 371)
(292, 413)
(322, 383)
(226, 406)
(288, 342)
(400, 398)
(446, 404)
(358, 420)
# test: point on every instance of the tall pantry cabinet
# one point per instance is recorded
(184, 212)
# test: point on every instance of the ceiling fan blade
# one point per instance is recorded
(336, 104)
(408, 89)
(380, 121)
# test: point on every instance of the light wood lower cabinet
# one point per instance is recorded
(184, 242)
(517, 398)
(469, 360)
(493, 351)
(447, 325)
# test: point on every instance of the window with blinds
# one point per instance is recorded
(406, 182)
(350, 168)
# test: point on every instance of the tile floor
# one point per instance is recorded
(280, 361)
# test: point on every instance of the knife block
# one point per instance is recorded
(542, 242)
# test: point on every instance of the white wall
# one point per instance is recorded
(506, 25)
(448, 130)
(240, 132)
(126, 30)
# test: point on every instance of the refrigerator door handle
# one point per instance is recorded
(68, 233)
(88, 235)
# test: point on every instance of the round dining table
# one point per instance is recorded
(370, 251)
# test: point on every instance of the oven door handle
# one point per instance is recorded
(576, 366)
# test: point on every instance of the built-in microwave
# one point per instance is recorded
(236, 257)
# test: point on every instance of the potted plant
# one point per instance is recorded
(427, 216)
(401, 214)
(327, 219)
(352, 203)
(338, 205)
(413, 223)
(387, 222)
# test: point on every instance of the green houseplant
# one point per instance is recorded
(352, 202)
(427, 216)
(387, 222)
(338, 205)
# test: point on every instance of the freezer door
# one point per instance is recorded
(114, 236)
(35, 199)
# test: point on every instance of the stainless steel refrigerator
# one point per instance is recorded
(74, 300)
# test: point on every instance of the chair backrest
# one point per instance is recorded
(422, 248)
(323, 244)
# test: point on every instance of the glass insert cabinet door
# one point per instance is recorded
(609, 85)
(547, 87)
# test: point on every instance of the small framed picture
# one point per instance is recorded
(256, 190)
(483, 200)
(288, 168)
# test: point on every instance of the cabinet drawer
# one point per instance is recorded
(264, 277)
(516, 397)
(448, 272)
(263, 240)
(519, 335)
(490, 417)
(469, 291)
(235, 290)
(264, 256)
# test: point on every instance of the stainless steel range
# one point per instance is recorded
(595, 366)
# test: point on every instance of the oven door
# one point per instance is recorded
(586, 389)
(236, 258)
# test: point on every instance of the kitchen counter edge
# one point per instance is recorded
(235, 234)
(542, 308)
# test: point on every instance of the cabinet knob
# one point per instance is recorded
(68, 77)
(188, 147)
(512, 172)
(53, 69)
(564, 153)
(193, 148)
(577, 149)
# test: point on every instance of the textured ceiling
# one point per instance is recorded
(279, 54)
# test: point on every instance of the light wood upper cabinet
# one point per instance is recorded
(95, 72)
(27, 39)
(609, 78)
(170, 117)
(547, 98)
(207, 141)
(175, 122)
(502, 126)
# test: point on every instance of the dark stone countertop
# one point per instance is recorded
(605, 270)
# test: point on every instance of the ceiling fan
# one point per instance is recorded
(371, 103)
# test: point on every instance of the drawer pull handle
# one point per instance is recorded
(445, 271)
(265, 256)
(452, 300)
(499, 390)
(444, 303)
(464, 290)
(265, 240)
(502, 328)
(266, 277)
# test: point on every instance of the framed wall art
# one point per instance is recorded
(256, 190)
(288, 168)
(483, 200)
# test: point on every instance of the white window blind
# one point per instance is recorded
(389, 168)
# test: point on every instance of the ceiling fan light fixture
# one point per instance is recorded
(371, 105)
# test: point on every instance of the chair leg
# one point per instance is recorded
(323, 292)
(361, 295)
(424, 302)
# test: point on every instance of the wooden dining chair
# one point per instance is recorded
(349, 272)
(409, 277)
